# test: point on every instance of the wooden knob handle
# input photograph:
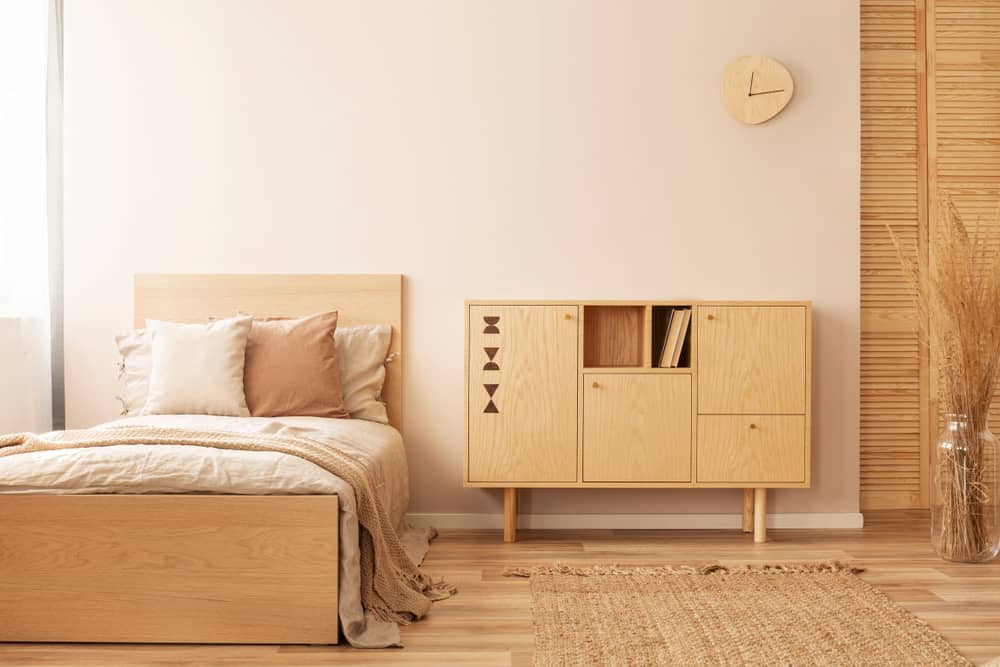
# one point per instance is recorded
(753, 426)
(567, 316)
(596, 386)
(710, 316)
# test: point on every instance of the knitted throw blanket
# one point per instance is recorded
(392, 587)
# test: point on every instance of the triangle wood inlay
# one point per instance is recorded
(490, 389)
(491, 408)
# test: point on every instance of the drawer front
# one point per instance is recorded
(752, 360)
(636, 428)
(751, 448)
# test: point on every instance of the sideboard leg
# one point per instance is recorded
(510, 515)
(747, 510)
(760, 516)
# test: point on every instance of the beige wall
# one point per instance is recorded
(485, 149)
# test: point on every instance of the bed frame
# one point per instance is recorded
(192, 568)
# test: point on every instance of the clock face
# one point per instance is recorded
(755, 89)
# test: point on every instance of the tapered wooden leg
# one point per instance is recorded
(509, 515)
(760, 516)
(747, 510)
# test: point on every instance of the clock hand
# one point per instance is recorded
(768, 92)
(750, 90)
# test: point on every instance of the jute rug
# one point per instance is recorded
(771, 615)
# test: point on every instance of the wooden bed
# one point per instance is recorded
(192, 568)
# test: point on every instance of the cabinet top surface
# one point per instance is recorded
(630, 302)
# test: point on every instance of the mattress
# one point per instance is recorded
(192, 469)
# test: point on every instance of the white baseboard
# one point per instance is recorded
(637, 521)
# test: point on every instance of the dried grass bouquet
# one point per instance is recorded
(958, 299)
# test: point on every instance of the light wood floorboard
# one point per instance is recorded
(489, 622)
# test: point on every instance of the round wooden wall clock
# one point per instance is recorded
(755, 89)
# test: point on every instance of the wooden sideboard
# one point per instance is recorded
(568, 394)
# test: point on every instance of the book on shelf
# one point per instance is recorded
(664, 350)
(679, 345)
(670, 341)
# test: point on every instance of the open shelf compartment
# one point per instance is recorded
(613, 336)
(660, 329)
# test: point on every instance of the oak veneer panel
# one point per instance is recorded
(179, 568)
(613, 336)
(751, 448)
(532, 435)
(752, 359)
(358, 299)
(636, 428)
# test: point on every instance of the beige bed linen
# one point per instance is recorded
(180, 468)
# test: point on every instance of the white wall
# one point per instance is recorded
(485, 149)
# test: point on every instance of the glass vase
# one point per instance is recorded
(964, 513)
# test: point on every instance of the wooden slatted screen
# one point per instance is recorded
(930, 122)
(964, 113)
(894, 373)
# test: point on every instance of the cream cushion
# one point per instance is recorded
(198, 368)
(361, 353)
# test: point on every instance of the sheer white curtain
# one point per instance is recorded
(25, 339)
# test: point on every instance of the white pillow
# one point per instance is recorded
(136, 349)
(361, 353)
(198, 368)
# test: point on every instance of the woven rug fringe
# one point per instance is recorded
(833, 567)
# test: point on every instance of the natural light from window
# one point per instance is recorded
(23, 220)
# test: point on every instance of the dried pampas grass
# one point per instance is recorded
(958, 300)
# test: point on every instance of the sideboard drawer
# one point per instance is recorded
(754, 449)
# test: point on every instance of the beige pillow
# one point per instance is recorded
(198, 368)
(291, 368)
(361, 352)
(136, 349)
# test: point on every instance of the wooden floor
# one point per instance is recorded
(489, 621)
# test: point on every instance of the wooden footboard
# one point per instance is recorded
(168, 568)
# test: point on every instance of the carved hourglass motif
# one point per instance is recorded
(491, 407)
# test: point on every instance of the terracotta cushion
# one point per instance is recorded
(291, 368)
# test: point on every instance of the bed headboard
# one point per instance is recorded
(360, 299)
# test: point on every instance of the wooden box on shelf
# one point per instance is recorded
(578, 394)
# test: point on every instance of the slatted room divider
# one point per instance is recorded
(930, 122)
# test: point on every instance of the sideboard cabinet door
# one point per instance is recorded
(522, 393)
(752, 359)
(636, 428)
